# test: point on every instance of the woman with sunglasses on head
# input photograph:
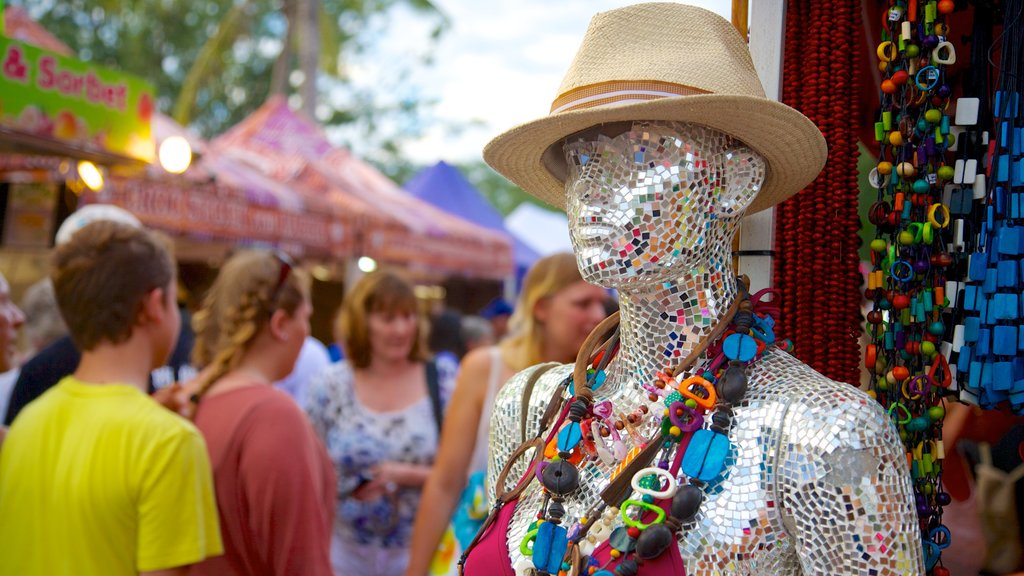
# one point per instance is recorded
(275, 485)
(553, 316)
(378, 412)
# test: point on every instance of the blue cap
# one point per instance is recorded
(497, 307)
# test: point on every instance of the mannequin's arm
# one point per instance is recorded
(844, 487)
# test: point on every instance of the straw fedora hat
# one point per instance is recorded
(663, 61)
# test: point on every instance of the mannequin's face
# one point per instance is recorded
(649, 201)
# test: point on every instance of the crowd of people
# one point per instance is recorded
(143, 441)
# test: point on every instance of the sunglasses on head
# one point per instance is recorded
(286, 268)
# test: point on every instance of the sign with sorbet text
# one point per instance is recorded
(63, 100)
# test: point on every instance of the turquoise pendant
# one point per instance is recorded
(739, 347)
(569, 436)
(705, 456)
(549, 547)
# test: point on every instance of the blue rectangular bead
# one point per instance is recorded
(1004, 341)
(1004, 306)
(970, 297)
(974, 375)
(1000, 197)
(982, 307)
(1009, 240)
(956, 198)
(966, 202)
(1003, 168)
(1020, 338)
(971, 326)
(977, 266)
(991, 282)
(990, 313)
(1017, 136)
(1015, 205)
(963, 362)
(986, 374)
(1002, 375)
(993, 244)
(981, 347)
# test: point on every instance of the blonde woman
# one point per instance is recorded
(275, 485)
(555, 313)
(378, 412)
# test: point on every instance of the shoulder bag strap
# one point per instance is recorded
(434, 390)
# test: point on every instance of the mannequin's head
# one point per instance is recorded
(648, 201)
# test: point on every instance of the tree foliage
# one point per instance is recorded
(212, 61)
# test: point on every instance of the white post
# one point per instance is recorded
(757, 232)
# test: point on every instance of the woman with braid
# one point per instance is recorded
(275, 485)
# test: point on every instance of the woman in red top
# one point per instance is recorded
(275, 485)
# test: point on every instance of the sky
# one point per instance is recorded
(499, 64)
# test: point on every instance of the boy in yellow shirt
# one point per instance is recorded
(96, 478)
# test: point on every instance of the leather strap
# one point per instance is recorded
(528, 393)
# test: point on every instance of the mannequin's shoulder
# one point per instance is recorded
(537, 381)
(814, 401)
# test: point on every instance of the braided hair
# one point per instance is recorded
(250, 287)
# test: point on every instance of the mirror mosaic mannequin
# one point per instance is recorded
(660, 141)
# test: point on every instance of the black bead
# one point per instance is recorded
(653, 541)
(627, 567)
(721, 419)
(732, 386)
(556, 510)
(578, 410)
(560, 477)
(686, 502)
(743, 320)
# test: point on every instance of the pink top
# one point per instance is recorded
(275, 485)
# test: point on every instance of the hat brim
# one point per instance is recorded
(792, 146)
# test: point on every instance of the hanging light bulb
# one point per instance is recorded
(366, 264)
(91, 175)
(175, 154)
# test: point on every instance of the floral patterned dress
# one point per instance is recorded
(372, 537)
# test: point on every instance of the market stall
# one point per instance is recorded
(395, 227)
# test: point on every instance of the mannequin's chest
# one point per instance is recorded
(739, 528)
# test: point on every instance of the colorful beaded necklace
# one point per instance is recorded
(681, 443)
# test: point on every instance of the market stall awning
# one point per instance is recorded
(443, 186)
(225, 212)
(397, 227)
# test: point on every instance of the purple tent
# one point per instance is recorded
(445, 187)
